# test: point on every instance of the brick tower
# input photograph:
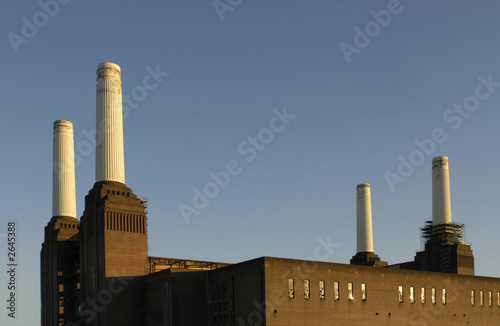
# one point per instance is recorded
(445, 248)
(60, 255)
(113, 232)
(364, 226)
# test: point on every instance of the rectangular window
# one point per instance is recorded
(307, 292)
(61, 305)
(363, 292)
(400, 294)
(422, 295)
(61, 287)
(433, 295)
(59, 273)
(412, 294)
(291, 288)
(349, 291)
(490, 298)
(322, 290)
(472, 297)
(336, 293)
(444, 296)
(481, 298)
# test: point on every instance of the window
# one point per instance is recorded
(291, 288)
(349, 291)
(490, 298)
(59, 273)
(400, 294)
(363, 292)
(443, 298)
(481, 298)
(61, 305)
(322, 290)
(307, 292)
(433, 295)
(336, 294)
(412, 294)
(422, 295)
(472, 297)
(61, 287)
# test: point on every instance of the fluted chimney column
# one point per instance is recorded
(441, 201)
(364, 218)
(109, 124)
(63, 179)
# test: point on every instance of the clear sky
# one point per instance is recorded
(337, 93)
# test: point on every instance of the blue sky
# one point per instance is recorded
(357, 114)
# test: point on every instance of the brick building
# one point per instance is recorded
(96, 271)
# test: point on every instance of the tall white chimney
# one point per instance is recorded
(63, 178)
(441, 202)
(109, 124)
(364, 218)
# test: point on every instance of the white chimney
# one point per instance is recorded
(441, 202)
(109, 124)
(364, 218)
(63, 179)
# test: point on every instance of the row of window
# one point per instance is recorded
(321, 287)
(69, 226)
(125, 222)
(481, 298)
(413, 295)
(122, 193)
(221, 308)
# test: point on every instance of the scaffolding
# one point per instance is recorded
(144, 202)
(441, 247)
(447, 234)
(157, 264)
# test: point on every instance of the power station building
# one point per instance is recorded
(96, 270)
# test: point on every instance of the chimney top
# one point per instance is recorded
(108, 65)
(440, 160)
(63, 122)
(108, 69)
